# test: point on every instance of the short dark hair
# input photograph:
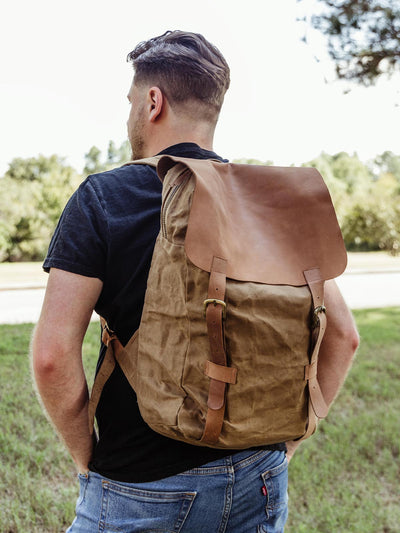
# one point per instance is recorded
(185, 66)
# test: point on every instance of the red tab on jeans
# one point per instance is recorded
(264, 490)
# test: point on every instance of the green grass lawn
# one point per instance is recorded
(344, 479)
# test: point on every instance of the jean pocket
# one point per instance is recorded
(276, 485)
(133, 510)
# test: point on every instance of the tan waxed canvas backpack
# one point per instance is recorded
(227, 349)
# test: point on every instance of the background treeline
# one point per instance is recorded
(34, 191)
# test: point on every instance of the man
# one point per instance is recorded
(133, 479)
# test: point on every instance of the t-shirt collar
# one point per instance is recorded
(192, 150)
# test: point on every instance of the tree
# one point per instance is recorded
(367, 203)
(363, 37)
(34, 168)
(33, 193)
(344, 174)
(389, 163)
(116, 156)
(244, 161)
(336, 186)
(124, 152)
(112, 153)
(372, 225)
(351, 171)
(92, 161)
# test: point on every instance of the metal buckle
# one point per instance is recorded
(315, 319)
(215, 302)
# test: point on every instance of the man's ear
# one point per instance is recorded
(156, 102)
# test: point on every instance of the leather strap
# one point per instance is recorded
(215, 311)
(152, 161)
(127, 358)
(317, 407)
(214, 421)
(221, 373)
(114, 349)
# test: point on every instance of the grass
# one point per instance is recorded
(343, 480)
(346, 478)
(37, 479)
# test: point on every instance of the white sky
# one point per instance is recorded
(64, 79)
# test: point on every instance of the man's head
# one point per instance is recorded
(178, 75)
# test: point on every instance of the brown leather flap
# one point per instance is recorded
(269, 223)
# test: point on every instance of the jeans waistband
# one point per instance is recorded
(238, 460)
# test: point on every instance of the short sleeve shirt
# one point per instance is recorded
(108, 231)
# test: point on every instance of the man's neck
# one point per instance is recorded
(160, 139)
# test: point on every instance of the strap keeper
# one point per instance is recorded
(225, 374)
(310, 371)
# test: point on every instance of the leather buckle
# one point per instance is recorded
(215, 302)
(317, 311)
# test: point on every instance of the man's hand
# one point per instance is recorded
(57, 358)
(337, 349)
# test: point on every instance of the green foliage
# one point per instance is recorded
(337, 187)
(35, 190)
(33, 168)
(372, 225)
(363, 37)
(389, 163)
(344, 478)
(366, 198)
(118, 155)
(350, 171)
(37, 478)
(94, 162)
(33, 193)
(244, 161)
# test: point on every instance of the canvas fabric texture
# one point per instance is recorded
(239, 371)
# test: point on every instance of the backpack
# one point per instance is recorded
(227, 349)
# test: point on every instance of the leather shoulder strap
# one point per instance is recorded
(152, 161)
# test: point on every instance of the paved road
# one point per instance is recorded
(361, 291)
(369, 290)
(22, 305)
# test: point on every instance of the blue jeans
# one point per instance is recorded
(245, 492)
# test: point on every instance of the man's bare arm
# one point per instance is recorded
(338, 347)
(57, 358)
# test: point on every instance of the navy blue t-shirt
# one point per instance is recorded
(108, 230)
